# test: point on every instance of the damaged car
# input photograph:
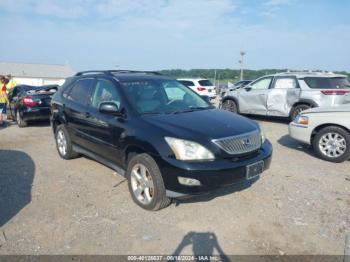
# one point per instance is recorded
(30, 103)
(288, 94)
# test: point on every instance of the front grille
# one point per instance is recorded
(240, 144)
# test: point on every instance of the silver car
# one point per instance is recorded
(288, 94)
(326, 129)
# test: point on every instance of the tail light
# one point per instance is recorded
(28, 101)
(201, 88)
(334, 92)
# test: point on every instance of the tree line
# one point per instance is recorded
(225, 74)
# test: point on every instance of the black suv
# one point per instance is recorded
(167, 140)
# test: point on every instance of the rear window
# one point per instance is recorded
(205, 83)
(186, 83)
(81, 91)
(327, 82)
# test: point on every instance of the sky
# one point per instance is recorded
(184, 34)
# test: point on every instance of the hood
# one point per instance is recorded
(336, 108)
(212, 123)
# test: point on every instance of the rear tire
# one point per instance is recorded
(230, 105)
(20, 122)
(297, 110)
(146, 183)
(332, 143)
(64, 143)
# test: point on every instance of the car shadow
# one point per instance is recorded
(17, 170)
(287, 141)
(39, 123)
(273, 119)
(206, 197)
(202, 244)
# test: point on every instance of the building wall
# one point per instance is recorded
(38, 81)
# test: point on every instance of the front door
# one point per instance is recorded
(253, 98)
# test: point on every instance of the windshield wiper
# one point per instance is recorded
(191, 109)
(151, 113)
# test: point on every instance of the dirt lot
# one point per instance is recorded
(52, 206)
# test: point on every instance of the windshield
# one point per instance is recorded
(162, 96)
(327, 82)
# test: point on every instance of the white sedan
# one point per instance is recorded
(326, 129)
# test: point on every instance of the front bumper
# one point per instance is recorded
(300, 132)
(211, 174)
(35, 113)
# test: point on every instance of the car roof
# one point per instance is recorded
(123, 75)
(310, 74)
(192, 79)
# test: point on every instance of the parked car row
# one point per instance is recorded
(326, 126)
(169, 141)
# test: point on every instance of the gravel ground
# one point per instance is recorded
(301, 205)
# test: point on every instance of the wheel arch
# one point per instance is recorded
(57, 120)
(234, 99)
(131, 151)
(318, 128)
(307, 102)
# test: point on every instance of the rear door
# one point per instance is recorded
(253, 98)
(284, 92)
(76, 108)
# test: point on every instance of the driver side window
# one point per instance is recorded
(261, 84)
(105, 91)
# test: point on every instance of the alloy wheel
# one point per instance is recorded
(18, 118)
(61, 142)
(142, 184)
(332, 145)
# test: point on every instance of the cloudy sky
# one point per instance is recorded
(163, 34)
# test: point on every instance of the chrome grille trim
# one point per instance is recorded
(236, 145)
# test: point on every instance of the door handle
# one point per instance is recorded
(87, 114)
(262, 95)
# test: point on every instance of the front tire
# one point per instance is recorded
(230, 105)
(64, 143)
(332, 143)
(146, 183)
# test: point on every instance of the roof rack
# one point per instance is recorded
(110, 72)
(308, 72)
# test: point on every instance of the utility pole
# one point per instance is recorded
(242, 53)
(215, 77)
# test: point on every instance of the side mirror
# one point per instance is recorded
(109, 108)
(247, 88)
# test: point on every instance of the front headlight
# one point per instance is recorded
(188, 150)
(301, 120)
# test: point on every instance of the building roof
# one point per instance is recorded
(35, 70)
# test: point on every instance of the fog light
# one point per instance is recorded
(188, 181)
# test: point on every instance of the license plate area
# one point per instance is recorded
(254, 170)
